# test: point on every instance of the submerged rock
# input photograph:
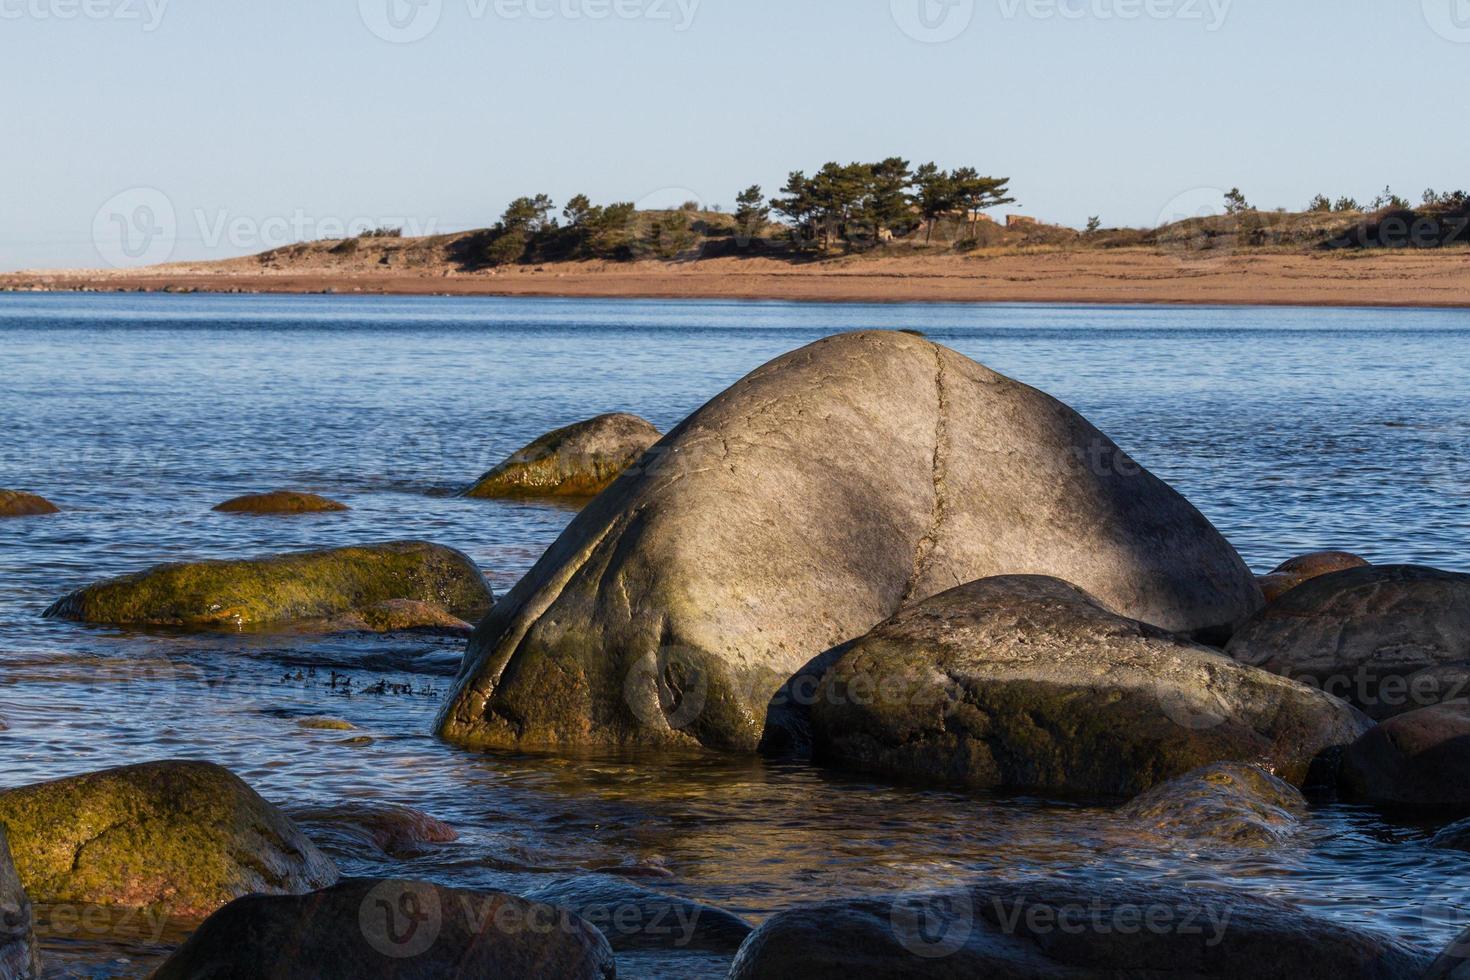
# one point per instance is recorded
(18, 960)
(1239, 805)
(1304, 569)
(402, 616)
(798, 509)
(281, 502)
(1420, 759)
(182, 837)
(581, 460)
(391, 930)
(639, 918)
(14, 503)
(1026, 682)
(1039, 930)
(1454, 962)
(1379, 637)
(361, 829)
(303, 587)
(1455, 837)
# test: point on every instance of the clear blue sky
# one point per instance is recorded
(258, 118)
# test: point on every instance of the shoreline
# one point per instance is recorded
(1439, 280)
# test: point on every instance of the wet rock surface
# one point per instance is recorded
(15, 503)
(1305, 568)
(281, 502)
(1235, 804)
(1419, 760)
(639, 918)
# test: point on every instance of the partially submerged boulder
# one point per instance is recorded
(1419, 760)
(14, 503)
(1305, 568)
(1455, 837)
(180, 837)
(1389, 639)
(1026, 682)
(807, 503)
(18, 960)
(580, 460)
(303, 587)
(373, 830)
(281, 502)
(1235, 804)
(639, 918)
(1038, 930)
(402, 616)
(391, 930)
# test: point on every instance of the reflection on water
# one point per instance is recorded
(1291, 429)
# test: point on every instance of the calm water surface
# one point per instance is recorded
(1291, 429)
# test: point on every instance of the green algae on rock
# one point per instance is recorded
(391, 930)
(580, 460)
(14, 503)
(181, 837)
(302, 587)
(1027, 683)
(18, 959)
(1235, 804)
(804, 505)
(281, 502)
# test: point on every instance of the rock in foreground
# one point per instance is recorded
(1238, 805)
(281, 502)
(1043, 929)
(1420, 760)
(1305, 568)
(1454, 962)
(581, 460)
(1389, 639)
(1026, 682)
(391, 930)
(14, 503)
(303, 587)
(181, 837)
(18, 959)
(798, 509)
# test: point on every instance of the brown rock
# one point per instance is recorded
(1236, 804)
(403, 616)
(14, 503)
(1420, 759)
(359, 828)
(1304, 569)
(280, 502)
(581, 460)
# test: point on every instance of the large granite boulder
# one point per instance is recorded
(278, 502)
(1026, 682)
(391, 930)
(179, 837)
(15, 503)
(306, 587)
(18, 960)
(636, 918)
(581, 460)
(1062, 930)
(1304, 568)
(1420, 759)
(807, 503)
(1232, 803)
(1387, 638)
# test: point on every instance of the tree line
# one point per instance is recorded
(858, 205)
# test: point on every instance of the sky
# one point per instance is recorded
(150, 130)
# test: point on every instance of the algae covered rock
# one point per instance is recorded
(281, 502)
(580, 460)
(1026, 682)
(1305, 568)
(1420, 760)
(14, 503)
(402, 616)
(804, 505)
(391, 930)
(182, 837)
(18, 959)
(1068, 930)
(1236, 804)
(1389, 639)
(303, 587)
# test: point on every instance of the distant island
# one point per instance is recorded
(871, 232)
